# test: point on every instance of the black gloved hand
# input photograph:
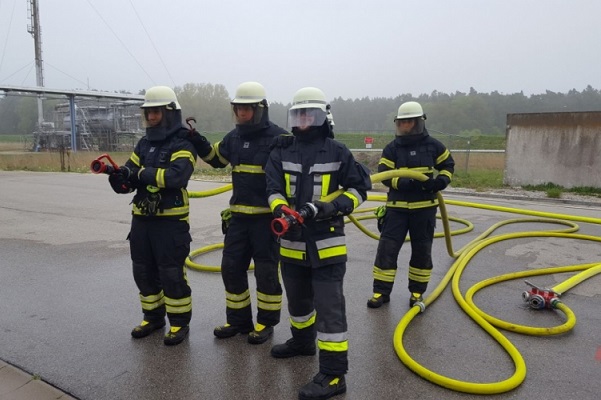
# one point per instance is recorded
(120, 183)
(131, 174)
(433, 185)
(325, 210)
(200, 143)
(134, 177)
(404, 184)
(277, 211)
(282, 141)
(125, 171)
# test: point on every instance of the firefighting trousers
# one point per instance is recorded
(420, 224)
(251, 238)
(317, 308)
(159, 248)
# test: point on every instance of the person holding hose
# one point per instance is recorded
(246, 223)
(158, 171)
(411, 205)
(313, 255)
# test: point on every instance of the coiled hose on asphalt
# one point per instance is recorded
(462, 257)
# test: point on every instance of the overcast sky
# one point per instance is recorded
(348, 48)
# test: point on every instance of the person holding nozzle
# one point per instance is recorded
(158, 171)
(246, 223)
(411, 205)
(301, 176)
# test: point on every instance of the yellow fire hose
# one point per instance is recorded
(463, 256)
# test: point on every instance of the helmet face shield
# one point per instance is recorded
(304, 118)
(247, 114)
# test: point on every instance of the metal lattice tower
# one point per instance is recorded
(35, 30)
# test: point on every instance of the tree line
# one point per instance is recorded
(458, 113)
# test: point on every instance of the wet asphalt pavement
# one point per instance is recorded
(68, 303)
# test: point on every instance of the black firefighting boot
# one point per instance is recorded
(322, 387)
(176, 335)
(227, 330)
(260, 334)
(377, 300)
(415, 298)
(293, 349)
(146, 328)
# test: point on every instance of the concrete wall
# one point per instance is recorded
(559, 148)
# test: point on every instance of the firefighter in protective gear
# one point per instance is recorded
(158, 171)
(313, 256)
(248, 236)
(411, 205)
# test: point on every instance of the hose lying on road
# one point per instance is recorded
(462, 257)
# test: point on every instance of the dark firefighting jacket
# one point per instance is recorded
(309, 170)
(163, 169)
(418, 153)
(246, 149)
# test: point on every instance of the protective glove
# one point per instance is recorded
(433, 185)
(200, 143)
(380, 213)
(131, 174)
(325, 210)
(226, 216)
(282, 141)
(120, 183)
(404, 184)
(277, 211)
(134, 177)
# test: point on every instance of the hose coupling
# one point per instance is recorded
(539, 298)
(421, 305)
(555, 302)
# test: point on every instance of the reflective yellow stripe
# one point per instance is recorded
(387, 162)
(135, 159)
(222, 160)
(412, 205)
(249, 209)
(446, 173)
(237, 297)
(277, 201)
(295, 254)
(269, 303)
(179, 309)
(237, 304)
(183, 154)
(332, 252)
(384, 275)
(237, 301)
(303, 322)
(419, 274)
(251, 169)
(325, 184)
(152, 301)
(443, 156)
(178, 306)
(354, 198)
(270, 298)
(287, 180)
(269, 306)
(160, 177)
(170, 212)
(333, 346)
(209, 156)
